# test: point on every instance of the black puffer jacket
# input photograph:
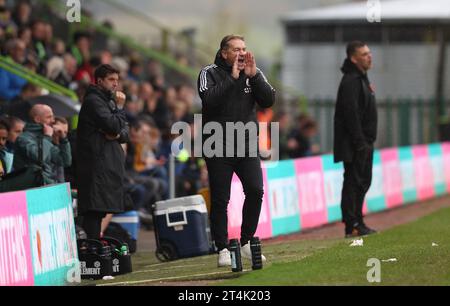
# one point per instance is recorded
(225, 99)
(100, 162)
(355, 118)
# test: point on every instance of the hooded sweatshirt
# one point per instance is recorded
(355, 119)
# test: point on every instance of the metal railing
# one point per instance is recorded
(401, 122)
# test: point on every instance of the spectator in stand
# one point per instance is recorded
(158, 82)
(132, 90)
(6, 158)
(300, 138)
(189, 173)
(54, 67)
(283, 120)
(81, 48)
(6, 23)
(58, 47)
(170, 97)
(142, 154)
(135, 72)
(16, 127)
(189, 180)
(85, 73)
(48, 38)
(24, 34)
(179, 111)
(153, 186)
(22, 14)
(149, 98)
(134, 106)
(122, 65)
(19, 106)
(162, 112)
(62, 70)
(145, 91)
(186, 93)
(137, 191)
(40, 48)
(26, 152)
(11, 84)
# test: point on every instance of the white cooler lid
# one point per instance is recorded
(183, 201)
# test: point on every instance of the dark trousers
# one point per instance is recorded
(357, 180)
(92, 224)
(220, 171)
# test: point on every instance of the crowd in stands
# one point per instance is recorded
(155, 100)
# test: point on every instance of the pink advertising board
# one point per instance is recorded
(311, 192)
(423, 172)
(392, 183)
(235, 205)
(15, 254)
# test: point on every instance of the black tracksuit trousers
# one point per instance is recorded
(357, 180)
(220, 171)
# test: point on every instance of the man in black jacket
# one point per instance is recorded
(230, 90)
(102, 128)
(355, 131)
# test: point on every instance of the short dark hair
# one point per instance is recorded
(29, 87)
(81, 34)
(353, 46)
(61, 120)
(103, 71)
(4, 125)
(12, 121)
(227, 39)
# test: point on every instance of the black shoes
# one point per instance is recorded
(358, 229)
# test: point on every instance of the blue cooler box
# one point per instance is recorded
(182, 227)
(129, 221)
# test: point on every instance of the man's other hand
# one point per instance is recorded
(235, 70)
(250, 65)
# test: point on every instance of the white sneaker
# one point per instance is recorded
(224, 258)
(246, 252)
